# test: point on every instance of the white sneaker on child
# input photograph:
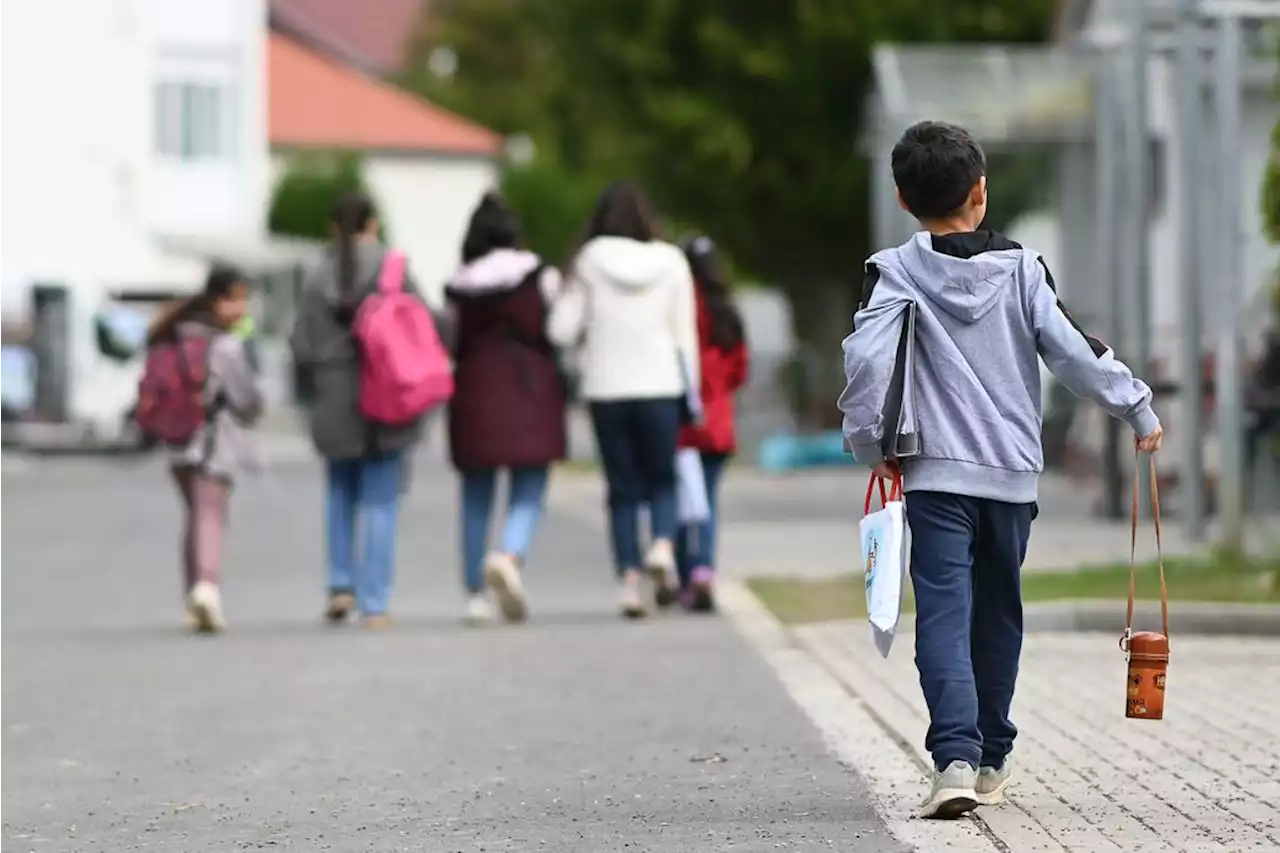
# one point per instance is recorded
(478, 610)
(502, 574)
(630, 602)
(952, 793)
(660, 562)
(205, 606)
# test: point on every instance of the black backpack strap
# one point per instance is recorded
(870, 278)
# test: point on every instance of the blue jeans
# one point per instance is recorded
(966, 563)
(367, 489)
(696, 543)
(636, 440)
(524, 511)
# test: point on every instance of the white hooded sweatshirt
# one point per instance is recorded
(630, 306)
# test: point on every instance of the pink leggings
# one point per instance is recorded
(204, 499)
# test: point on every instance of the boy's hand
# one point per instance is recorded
(886, 470)
(1151, 443)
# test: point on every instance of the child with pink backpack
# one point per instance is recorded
(367, 350)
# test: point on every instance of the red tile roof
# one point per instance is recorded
(372, 35)
(314, 102)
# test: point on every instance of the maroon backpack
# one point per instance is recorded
(171, 406)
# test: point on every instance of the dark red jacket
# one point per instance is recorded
(723, 373)
(508, 406)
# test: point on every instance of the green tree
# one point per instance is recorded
(311, 185)
(1270, 202)
(743, 118)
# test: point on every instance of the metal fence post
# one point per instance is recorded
(1189, 113)
(1230, 396)
(1109, 269)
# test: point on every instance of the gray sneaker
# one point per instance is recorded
(953, 792)
(992, 782)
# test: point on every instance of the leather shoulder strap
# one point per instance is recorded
(1133, 550)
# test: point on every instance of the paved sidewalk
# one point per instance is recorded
(1206, 778)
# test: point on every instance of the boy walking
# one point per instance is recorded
(985, 308)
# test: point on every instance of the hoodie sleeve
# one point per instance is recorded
(237, 381)
(685, 322)
(870, 355)
(313, 311)
(1086, 366)
(567, 320)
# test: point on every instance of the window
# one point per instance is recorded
(192, 121)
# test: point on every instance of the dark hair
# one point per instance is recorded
(218, 284)
(621, 211)
(726, 322)
(350, 216)
(935, 166)
(493, 225)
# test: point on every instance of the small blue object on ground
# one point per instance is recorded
(790, 452)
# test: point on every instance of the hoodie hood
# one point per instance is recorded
(961, 273)
(628, 264)
(499, 270)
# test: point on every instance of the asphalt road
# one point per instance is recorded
(576, 732)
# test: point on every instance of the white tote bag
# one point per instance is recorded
(884, 559)
(692, 504)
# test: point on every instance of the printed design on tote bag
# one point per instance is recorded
(873, 554)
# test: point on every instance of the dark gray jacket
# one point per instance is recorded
(325, 360)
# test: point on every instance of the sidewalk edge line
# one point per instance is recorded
(859, 739)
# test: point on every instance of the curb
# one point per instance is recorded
(1195, 618)
(861, 741)
(1204, 619)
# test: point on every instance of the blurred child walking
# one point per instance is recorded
(723, 352)
(629, 305)
(508, 409)
(199, 395)
(365, 459)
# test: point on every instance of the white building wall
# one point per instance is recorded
(425, 203)
(73, 167)
(206, 128)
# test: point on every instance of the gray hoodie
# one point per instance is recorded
(325, 358)
(985, 309)
(224, 446)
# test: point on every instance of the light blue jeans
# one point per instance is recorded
(524, 511)
(368, 490)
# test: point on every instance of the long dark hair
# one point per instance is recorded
(622, 210)
(350, 216)
(493, 225)
(727, 330)
(221, 280)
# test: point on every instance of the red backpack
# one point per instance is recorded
(171, 406)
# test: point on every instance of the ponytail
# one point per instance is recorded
(727, 330)
(350, 217)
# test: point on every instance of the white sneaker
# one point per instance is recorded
(630, 602)
(478, 610)
(205, 606)
(992, 782)
(660, 563)
(953, 792)
(502, 575)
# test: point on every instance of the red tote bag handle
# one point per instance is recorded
(894, 493)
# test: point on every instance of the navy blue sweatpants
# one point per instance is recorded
(966, 560)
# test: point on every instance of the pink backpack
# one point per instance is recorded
(404, 368)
